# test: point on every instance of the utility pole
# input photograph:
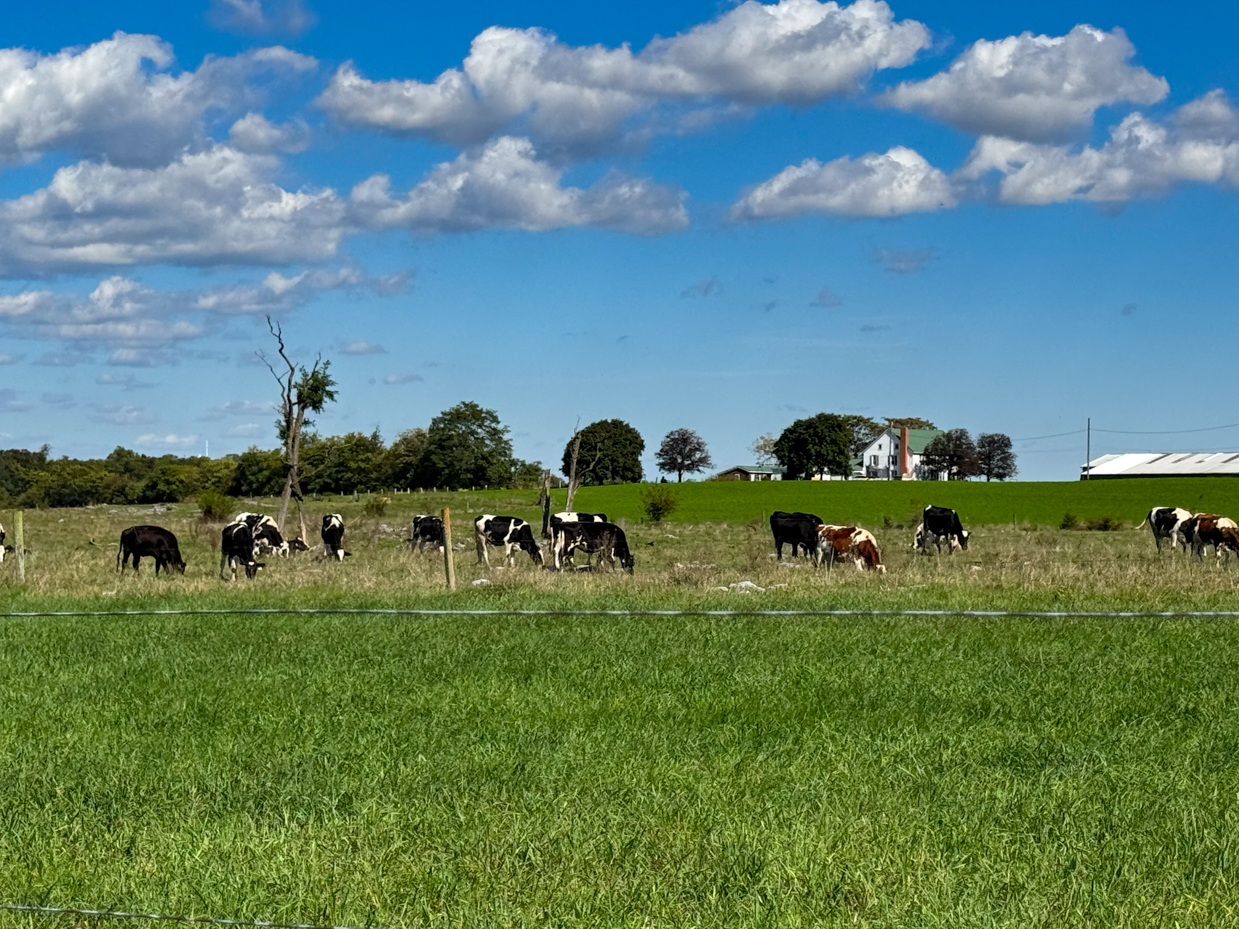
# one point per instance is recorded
(1088, 449)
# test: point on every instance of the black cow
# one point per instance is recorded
(606, 540)
(509, 531)
(795, 529)
(427, 530)
(266, 534)
(237, 548)
(1167, 523)
(333, 536)
(138, 542)
(940, 524)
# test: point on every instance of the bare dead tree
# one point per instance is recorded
(301, 390)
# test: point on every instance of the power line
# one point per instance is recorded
(1168, 431)
(1055, 435)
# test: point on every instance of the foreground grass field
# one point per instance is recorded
(600, 771)
(623, 772)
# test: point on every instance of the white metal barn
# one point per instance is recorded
(1162, 464)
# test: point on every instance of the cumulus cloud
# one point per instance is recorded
(211, 207)
(1198, 144)
(255, 134)
(826, 298)
(167, 440)
(261, 17)
(141, 326)
(11, 401)
(505, 185)
(123, 414)
(116, 99)
(238, 408)
(526, 81)
(392, 379)
(362, 347)
(1033, 87)
(703, 288)
(905, 260)
(245, 431)
(898, 182)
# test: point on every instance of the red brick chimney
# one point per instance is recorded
(905, 455)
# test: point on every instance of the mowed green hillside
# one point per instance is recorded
(870, 502)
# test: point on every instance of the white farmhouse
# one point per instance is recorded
(895, 455)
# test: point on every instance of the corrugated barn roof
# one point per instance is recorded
(1165, 464)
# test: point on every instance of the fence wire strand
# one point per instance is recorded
(360, 611)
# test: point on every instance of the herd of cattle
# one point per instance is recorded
(252, 535)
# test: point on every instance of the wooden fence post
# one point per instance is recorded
(19, 535)
(449, 563)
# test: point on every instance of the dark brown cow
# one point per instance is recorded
(1206, 529)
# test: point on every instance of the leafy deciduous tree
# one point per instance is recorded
(995, 458)
(953, 453)
(821, 443)
(610, 453)
(682, 451)
(466, 446)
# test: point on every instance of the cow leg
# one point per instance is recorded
(483, 558)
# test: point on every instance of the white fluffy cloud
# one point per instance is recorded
(505, 185)
(211, 207)
(1199, 144)
(261, 17)
(255, 134)
(525, 80)
(1033, 87)
(891, 184)
(116, 99)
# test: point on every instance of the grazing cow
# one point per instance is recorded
(1204, 529)
(509, 531)
(1, 544)
(848, 543)
(427, 530)
(237, 548)
(559, 519)
(138, 542)
(333, 537)
(266, 534)
(796, 529)
(940, 524)
(1166, 523)
(295, 546)
(606, 540)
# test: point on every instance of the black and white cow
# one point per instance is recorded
(511, 532)
(296, 546)
(559, 519)
(1, 544)
(139, 542)
(333, 537)
(796, 529)
(237, 548)
(606, 540)
(1167, 523)
(940, 524)
(427, 530)
(268, 539)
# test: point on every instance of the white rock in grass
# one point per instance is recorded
(745, 587)
(481, 582)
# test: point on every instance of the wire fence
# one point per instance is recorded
(367, 611)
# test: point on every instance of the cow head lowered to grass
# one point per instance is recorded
(511, 532)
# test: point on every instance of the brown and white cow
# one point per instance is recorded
(1204, 529)
(848, 543)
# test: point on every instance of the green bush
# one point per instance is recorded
(376, 506)
(658, 501)
(1069, 521)
(215, 507)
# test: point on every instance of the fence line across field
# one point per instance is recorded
(159, 917)
(397, 611)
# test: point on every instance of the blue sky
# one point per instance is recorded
(713, 215)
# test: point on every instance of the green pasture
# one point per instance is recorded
(597, 772)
